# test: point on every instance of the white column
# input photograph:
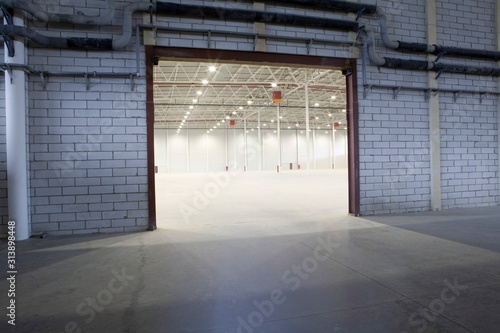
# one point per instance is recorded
(167, 151)
(188, 159)
(208, 163)
(333, 146)
(306, 87)
(227, 149)
(259, 131)
(279, 138)
(245, 143)
(297, 144)
(314, 149)
(435, 126)
(498, 99)
(15, 117)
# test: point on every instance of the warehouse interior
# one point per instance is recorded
(247, 121)
(250, 166)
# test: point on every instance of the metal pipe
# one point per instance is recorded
(247, 34)
(38, 13)
(424, 65)
(425, 48)
(331, 5)
(128, 13)
(232, 14)
(58, 42)
(16, 142)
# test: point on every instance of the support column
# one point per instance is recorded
(208, 163)
(498, 99)
(245, 144)
(434, 112)
(314, 149)
(308, 150)
(15, 117)
(333, 146)
(259, 132)
(188, 159)
(279, 138)
(227, 149)
(260, 29)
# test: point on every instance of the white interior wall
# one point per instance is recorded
(195, 151)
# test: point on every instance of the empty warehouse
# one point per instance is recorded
(250, 166)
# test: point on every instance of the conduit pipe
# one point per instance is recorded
(219, 13)
(173, 9)
(57, 42)
(335, 6)
(424, 48)
(15, 116)
(38, 13)
(423, 65)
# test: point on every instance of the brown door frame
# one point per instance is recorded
(348, 66)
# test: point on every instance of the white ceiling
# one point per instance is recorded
(181, 95)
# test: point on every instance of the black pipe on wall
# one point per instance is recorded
(219, 13)
(79, 43)
(334, 6)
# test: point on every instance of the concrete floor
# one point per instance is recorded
(303, 267)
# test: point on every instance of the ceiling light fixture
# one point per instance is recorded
(316, 104)
(249, 102)
(204, 82)
(191, 107)
(344, 110)
(334, 97)
(195, 101)
(199, 93)
(274, 85)
(212, 69)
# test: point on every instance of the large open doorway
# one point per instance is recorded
(240, 136)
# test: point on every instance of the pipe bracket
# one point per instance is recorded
(430, 92)
(44, 80)
(11, 74)
(440, 72)
(360, 12)
(209, 39)
(368, 87)
(9, 42)
(395, 92)
(360, 31)
(7, 15)
(482, 96)
(132, 82)
(440, 55)
(87, 81)
(309, 46)
(456, 95)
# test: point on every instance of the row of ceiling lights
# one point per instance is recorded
(213, 69)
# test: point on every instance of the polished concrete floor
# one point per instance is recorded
(281, 257)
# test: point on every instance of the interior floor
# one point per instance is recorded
(225, 198)
(305, 269)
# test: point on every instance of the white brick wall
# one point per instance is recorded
(88, 147)
(3, 159)
(398, 128)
